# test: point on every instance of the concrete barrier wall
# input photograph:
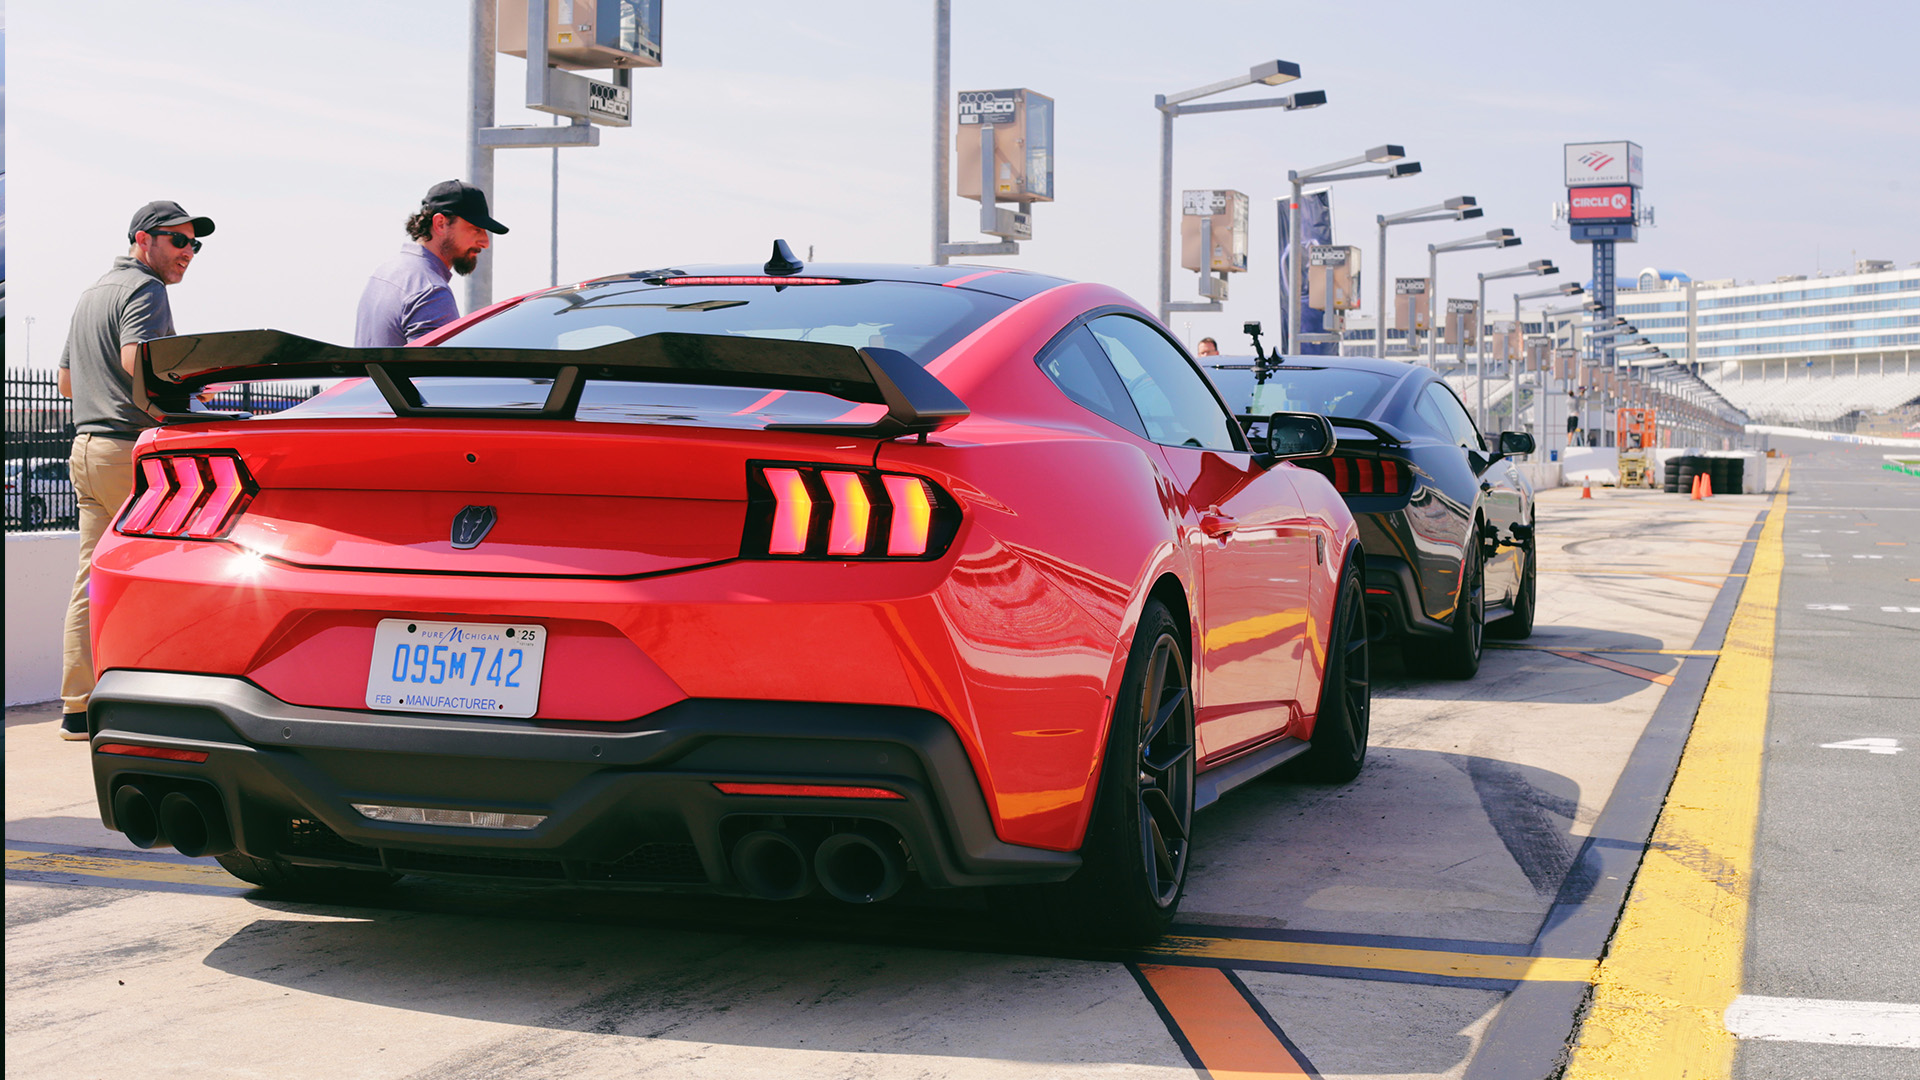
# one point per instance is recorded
(39, 581)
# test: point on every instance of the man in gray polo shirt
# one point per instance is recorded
(408, 297)
(124, 308)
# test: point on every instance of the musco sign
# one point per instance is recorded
(609, 104)
(988, 106)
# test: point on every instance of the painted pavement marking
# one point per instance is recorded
(1600, 649)
(1811, 1020)
(1614, 665)
(1674, 964)
(1219, 1024)
(1871, 746)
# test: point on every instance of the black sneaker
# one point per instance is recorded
(73, 727)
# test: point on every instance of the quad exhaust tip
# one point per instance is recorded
(857, 869)
(191, 820)
(771, 866)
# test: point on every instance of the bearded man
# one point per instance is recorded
(408, 297)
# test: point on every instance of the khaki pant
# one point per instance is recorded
(102, 470)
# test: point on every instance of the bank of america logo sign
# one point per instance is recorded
(1596, 160)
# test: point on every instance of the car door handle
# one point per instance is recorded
(1217, 524)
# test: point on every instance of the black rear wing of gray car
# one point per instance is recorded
(171, 370)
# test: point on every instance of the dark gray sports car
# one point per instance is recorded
(1446, 520)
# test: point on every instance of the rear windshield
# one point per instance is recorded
(920, 320)
(1327, 391)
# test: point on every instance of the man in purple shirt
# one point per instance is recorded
(408, 296)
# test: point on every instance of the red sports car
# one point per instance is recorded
(750, 580)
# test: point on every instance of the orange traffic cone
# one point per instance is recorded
(1586, 488)
(1696, 486)
(1706, 485)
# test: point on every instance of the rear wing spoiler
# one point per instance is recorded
(1386, 433)
(171, 370)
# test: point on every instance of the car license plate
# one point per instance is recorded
(474, 669)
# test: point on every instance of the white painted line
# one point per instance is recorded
(1809, 1020)
(1908, 610)
(1871, 746)
(1829, 607)
(1811, 555)
(1869, 556)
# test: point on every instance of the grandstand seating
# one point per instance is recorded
(1820, 398)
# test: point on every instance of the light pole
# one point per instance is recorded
(1557, 321)
(1327, 174)
(1462, 208)
(1271, 73)
(1571, 288)
(1492, 238)
(1536, 268)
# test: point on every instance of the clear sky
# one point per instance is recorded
(1779, 138)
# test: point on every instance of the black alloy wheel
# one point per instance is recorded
(1166, 753)
(1457, 655)
(1519, 625)
(1134, 858)
(1339, 745)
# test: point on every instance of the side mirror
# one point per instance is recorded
(1515, 443)
(1296, 436)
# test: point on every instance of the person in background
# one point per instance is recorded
(126, 307)
(408, 296)
(1209, 347)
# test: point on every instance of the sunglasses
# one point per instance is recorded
(180, 240)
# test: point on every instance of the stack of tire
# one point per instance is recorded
(1726, 474)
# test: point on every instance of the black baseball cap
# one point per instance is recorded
(159, 215)
(461, 200)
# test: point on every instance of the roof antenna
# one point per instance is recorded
(783, 262)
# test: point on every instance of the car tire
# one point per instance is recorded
(1457, 655)
(1134, 859)
(289, 879)
(1338, 748)
(1519, 625)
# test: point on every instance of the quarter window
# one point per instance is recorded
(1081, 370)
(1459, 423)
(1176, 403)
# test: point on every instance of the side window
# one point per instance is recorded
(1430, 413)
(1081, 370)
(1458, 422)
(1175, 401)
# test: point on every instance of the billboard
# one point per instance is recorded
(1333, 277)
(1593, 163)
(1600, 203)
(1228, 212)
(1462, 317)
(1410, 303)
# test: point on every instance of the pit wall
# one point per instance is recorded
(1601, 464)
(39, 581)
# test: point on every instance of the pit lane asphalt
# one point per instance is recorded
(1834, 903)
(1378, 929)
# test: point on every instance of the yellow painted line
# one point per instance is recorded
(1232, 1041)
(1674, 964)
(1601, 649)
(53, 862)
(1458, 965)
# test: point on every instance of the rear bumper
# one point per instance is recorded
(628, 804)
(1393, 608)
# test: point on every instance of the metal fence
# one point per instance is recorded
(39, 439)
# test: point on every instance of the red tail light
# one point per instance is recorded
(163, 753)
(196, 495)
(1362, 476)
(811, 791)
(836, 512)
